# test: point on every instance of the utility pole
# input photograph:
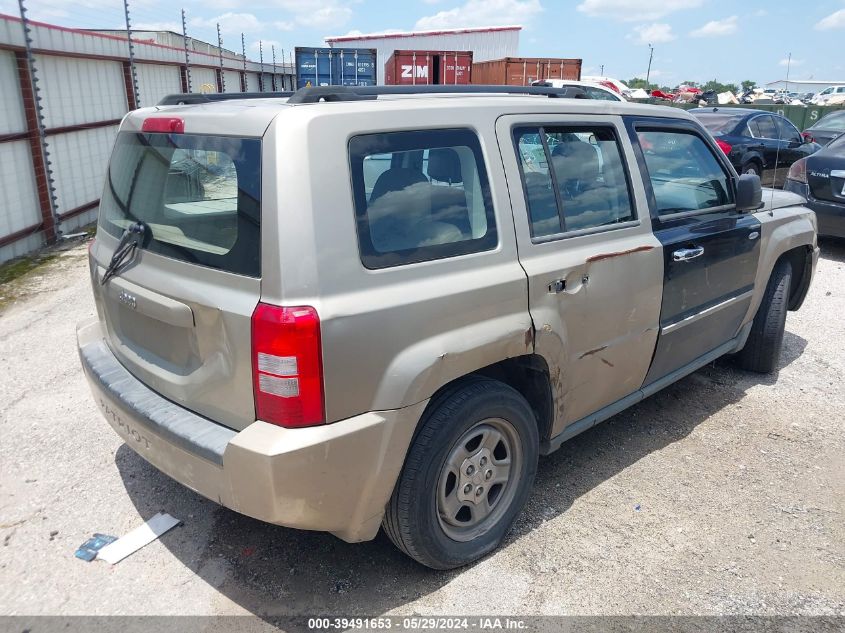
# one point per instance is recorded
(788, 66)
(51, 221)
(220, 53)
(650, 57)
(187, 59)
(601, 72)
(273, 51)
(243, 52)
(134, 77)
(261, 62)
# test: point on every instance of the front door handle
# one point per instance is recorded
(684, 254)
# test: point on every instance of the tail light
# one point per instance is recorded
(287, 368)
(798, 171)
(808, 138)
(725, 147)
(168, 125)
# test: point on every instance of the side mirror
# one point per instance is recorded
(749, 193)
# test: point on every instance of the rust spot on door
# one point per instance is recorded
(638, 249)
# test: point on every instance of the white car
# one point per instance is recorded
(593, 90)
(831, 93)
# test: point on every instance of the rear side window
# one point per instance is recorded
(586, 186)
(598, 93)
(200, 196)
(763, 127)
(685, 175)
(420, 196)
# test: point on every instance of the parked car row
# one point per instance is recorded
(820, 178)
(767, 144)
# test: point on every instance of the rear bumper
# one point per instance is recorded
(335, 478)
(830, 215)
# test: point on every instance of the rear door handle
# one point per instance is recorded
(684, 254)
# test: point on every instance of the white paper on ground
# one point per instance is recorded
(137, 538)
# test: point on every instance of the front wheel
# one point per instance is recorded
(467, 475)
(762, 350)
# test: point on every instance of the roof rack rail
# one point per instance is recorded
(198, 97)
(355, 93)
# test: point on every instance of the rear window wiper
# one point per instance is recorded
(129, 241)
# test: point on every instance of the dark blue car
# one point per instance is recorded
(821, 179)
(757, 142)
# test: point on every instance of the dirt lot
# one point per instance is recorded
(722, 494)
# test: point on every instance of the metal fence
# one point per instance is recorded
(53, 157)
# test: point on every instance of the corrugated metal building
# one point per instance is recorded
(803, 85)
(85, 86)
(486, 43)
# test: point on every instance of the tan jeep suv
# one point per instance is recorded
(365, 307)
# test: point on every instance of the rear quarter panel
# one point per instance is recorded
(390, 337)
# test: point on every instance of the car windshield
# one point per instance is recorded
(719, 122)
(833, 121)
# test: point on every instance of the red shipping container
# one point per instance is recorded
(521, 71)
(409, 68)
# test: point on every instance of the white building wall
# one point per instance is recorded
(11, 105)
(203, 80)
(79, 165)
(75, 91)
(18, 194)
(90, 92)
(252, 82)
(484, 44)
(156, 81)
(232, 80)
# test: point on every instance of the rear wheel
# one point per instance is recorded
(753, 167)
(467, 475)
(762, 350)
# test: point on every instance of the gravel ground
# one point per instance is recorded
(721, 495)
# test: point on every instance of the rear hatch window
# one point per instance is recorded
(199, 195)
(720, 124)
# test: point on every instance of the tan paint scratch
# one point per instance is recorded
(638, 249)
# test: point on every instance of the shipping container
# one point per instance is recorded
(428, 67)
(335, 67)
(521, 71)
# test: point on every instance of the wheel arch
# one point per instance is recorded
(801, 261)
(527, 374)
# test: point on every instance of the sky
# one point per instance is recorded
(698, 40)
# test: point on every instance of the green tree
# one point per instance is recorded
(719, 87)
(638, 82)
(748, 84)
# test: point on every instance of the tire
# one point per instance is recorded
(753, 167)
(762, 350)
(435, 514)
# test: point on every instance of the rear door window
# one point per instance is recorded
(764, 126)
(586, 187)
(420, 196)
(200, 196)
